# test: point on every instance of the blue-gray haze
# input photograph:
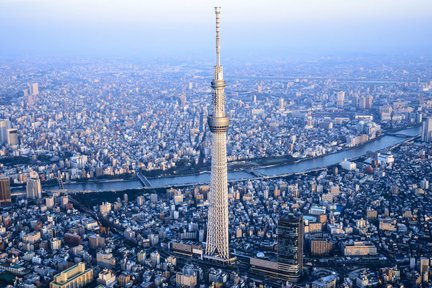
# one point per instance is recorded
(250, 28)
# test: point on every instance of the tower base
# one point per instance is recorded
(218, 260)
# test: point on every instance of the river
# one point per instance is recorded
(285, 169)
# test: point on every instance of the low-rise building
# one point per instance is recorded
(75, 276)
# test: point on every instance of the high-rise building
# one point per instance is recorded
(140, 200)
(260, 88)
(183, 100)
(355, 100)
(424, 265)
(49, 201)
(362, 102)
(217, 224)
(369, 102)
(12, 137)
(75, 276)
(141, 257)
(309, 120)
(5, 191)
(427, 130)
(290, 245)
(281, 104)
(340, 99)
(4, 127)
(34, 187)
(155, 258)
(33, 88)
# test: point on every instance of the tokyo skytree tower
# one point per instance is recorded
(217, 225)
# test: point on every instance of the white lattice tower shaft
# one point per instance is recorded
(217, 227)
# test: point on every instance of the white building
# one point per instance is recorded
(4, 127)
(34, 187)
(348, 165)
(427, 130)
(106, 278)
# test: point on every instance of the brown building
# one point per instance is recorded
(5, 191)
(72, 240)
(321, 247)
(360, 248)
(124, 280)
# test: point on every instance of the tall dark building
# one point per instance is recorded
(290, 245)
(5, 191)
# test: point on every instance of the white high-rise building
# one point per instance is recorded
(427, 130)
(34, 187)
(33, 88)
(281, 104)
(217, 224)
(340, 99)
(4, 127)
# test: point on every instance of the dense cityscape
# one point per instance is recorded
(297, 173)
(117, 119)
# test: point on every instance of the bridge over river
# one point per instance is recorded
(315, 164)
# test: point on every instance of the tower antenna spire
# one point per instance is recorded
(218, 12)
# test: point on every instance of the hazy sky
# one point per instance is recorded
(158, 28)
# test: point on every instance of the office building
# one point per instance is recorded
(187, 278)
(369, 102)
(34, 187)
(124, 280)
(155, 258)
(12, 137)
(424, 265)
(106, 278)
(105, 260)
(75, 276)
(33, 88)
(5, 191)
(340, 99)
(96, 241)
(290, 244)
(360, 248)
(141, 257)
(55, 244)
(49, 201)
(4, 127)
(281, 104)
(217, 225)
(321, 247)
(427, 130)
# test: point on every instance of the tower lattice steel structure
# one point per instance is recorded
(217, 226)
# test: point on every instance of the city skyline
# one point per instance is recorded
(138, 29)
(124, 172)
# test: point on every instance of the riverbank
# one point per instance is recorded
(187, 169)
(282, 170)
(268, 162)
